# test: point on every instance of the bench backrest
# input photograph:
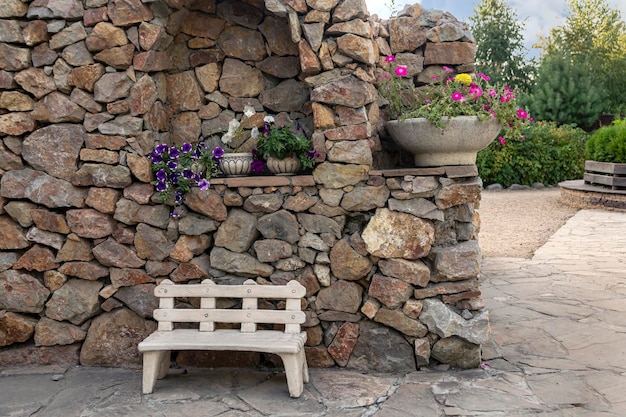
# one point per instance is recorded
(249, 314)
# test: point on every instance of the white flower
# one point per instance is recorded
(227, 138)
(268, 119)
(248, 111)
(254, 133)
(233, 125)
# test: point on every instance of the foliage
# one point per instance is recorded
(566, 92)
(608, 144)
(550, 154)
(455, 96)
(393, 7)
(282, 141)
(500, 45)
(594, 35)
(179, 168)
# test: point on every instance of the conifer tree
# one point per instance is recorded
(565, 92)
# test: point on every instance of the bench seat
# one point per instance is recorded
(269, 341)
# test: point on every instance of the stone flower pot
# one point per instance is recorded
(236, 164)
(287, 166)
(457, 144)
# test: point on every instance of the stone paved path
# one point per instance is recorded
(558, 350)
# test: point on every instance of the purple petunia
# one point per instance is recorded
(161, 175)
(161, 186)
(186, 148)
(187, 173)
(204, 184)
(161, 148)
(174, 153)
(172, 165)
(218, 152)
(257, 166)
(156, 158)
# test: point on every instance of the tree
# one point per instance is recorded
(500, 48)
(591, 29)
(566, 92)
(594, 35)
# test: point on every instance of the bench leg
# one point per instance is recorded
(164, 365)
(294, 372)
(153, 367)
(305, 368)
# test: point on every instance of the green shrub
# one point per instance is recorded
(608, 144)
(549, 154)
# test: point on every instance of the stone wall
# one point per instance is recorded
(389, 257)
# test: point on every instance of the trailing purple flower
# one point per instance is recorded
(180, 168)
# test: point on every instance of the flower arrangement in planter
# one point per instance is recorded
(460, 95)
(284, 143)
(179, 168)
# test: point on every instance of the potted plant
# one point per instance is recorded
(179, 168)
(447, 121)
(284, 148)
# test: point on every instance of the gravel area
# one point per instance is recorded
(516, 223)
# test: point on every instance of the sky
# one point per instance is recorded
(540, 15)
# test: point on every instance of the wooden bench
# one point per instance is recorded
(288, 344)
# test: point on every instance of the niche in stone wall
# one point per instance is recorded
(232, 63)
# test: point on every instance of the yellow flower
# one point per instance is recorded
(465, 79)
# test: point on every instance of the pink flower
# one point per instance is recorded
(476, 91)
(522, 114)
(458, 96)
(484, 77)
(435, 78)
(383, 76)
(448, 69)
(506, 98)
(390, 58)
(502, 140)
(493, 114)
(531, 120)
(493, 93)
(401, 70)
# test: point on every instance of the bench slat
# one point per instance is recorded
(249, 304)
(224, 339)
(200, 315)
(230, 291)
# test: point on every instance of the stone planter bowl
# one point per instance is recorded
(288, 166)
(457, 144)
(236, 164)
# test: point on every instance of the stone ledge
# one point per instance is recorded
(265, 181)
(461, 171)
